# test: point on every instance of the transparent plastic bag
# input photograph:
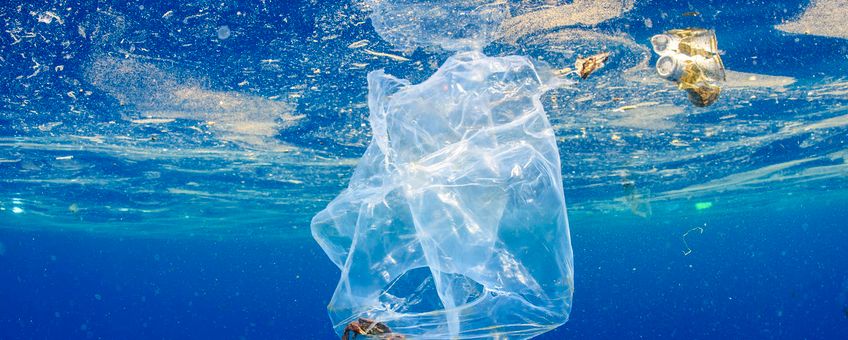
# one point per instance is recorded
(454, 222)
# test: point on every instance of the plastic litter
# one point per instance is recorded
(451, 25)
(690, 58)
(637, 201)
(587, 66)
(454, 223)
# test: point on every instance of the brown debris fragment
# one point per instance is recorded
(588, 65)
(371, 328)
(704, 95)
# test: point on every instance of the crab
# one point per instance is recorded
(363, 326)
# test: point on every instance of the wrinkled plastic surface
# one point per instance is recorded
(447, 24)
(454, 222)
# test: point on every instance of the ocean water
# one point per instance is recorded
(160, 165)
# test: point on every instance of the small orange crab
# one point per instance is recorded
(368, 327)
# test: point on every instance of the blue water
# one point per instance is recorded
(158, 175)
(744, 279)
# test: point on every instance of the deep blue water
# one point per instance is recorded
(745, 279)
(160, 164)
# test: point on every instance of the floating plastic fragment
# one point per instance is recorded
(688, 249)
(454, 222)
(588, 65)
(451, 25)
(690, 58)
(394, 57)
(703, 205)
(637, 202)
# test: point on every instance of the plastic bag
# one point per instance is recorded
(451, 25)
(454, 223)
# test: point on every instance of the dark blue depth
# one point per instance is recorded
(775, 276)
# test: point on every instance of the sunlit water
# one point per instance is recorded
(160, 164)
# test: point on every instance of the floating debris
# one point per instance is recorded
(688, 250)
(363, 326)
(563, 71)
(48, 17)
(678, 143)
(703, 96)
(691, 14)
(690, 58)
(358, 44)
(634, 106)
(587, 66)
(152, 121)
(636, 201)
(387, 55)
(703, 205)
(48, 126)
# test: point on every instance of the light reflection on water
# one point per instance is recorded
(154, 115)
